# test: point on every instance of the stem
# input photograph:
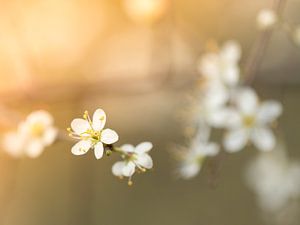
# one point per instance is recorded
(260, 46)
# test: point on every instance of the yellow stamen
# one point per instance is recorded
(249, 121)
(37, 129)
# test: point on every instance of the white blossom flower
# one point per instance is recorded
(274, 179)
(134, 158)
(212, 109)
(92, 134)
(249, 121)
(221, 67)
(192, 159)
(266, 19)
(32, 136)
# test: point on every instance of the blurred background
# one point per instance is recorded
(137, 61)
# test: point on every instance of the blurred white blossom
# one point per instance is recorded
(266, 18)
(134, 158)
(91, 134)
(32, 136)
(249, 120)
(221, 68)
(274, 179)
(220, 72)
(191, 159)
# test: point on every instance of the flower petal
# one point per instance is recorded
(127, 148)
(40, 116)
(235, 140)
(269, 111)
(79, 126)
(145, 161)
(99, 119)
(117, 168)
(263, 139)
(143, 147)
(98, 150)
(232, 118)
(109, 136)
(189, 170)
(34, 148)
(215, 95)
(208, 149)
(81, 147)
(231, 74)
(128, 169)
(246, 100)
(231, 51)
(50, 135)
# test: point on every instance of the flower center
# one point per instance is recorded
(95, 135)
(37, 129)
(249, 121)
(130, 157)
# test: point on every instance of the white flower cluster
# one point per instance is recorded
(91, 134)
(32, 135)
(224, 103)
(38, 132)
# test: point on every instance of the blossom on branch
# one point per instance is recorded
(134, 159)
(32, 136)
(91, 134)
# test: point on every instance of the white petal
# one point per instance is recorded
(128, 169)
(99, 119)
(109, 136)
(263, 139)
(40, 116)
(117, 168)
(231, 51)
(215, 95)
(98, 150)
(269, 111)
(50, 135)
(189, 170)
(235, 140)
(224, 117)
(208, 149)
(79, 126)
(232, 118)
(208, 65)
(127, 148)
(81, 147)
(34, 148)
(231, 74)
(246, 100)
(143, 147)
(145, 161)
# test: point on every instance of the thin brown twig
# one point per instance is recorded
(260, 46)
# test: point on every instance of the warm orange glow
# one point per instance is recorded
(146, 11)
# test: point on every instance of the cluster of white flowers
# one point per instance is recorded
(38, 132)
(32, 135)
(225, 103)
(274, 179)
(92, 135)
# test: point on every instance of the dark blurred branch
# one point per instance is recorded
(260, 46)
